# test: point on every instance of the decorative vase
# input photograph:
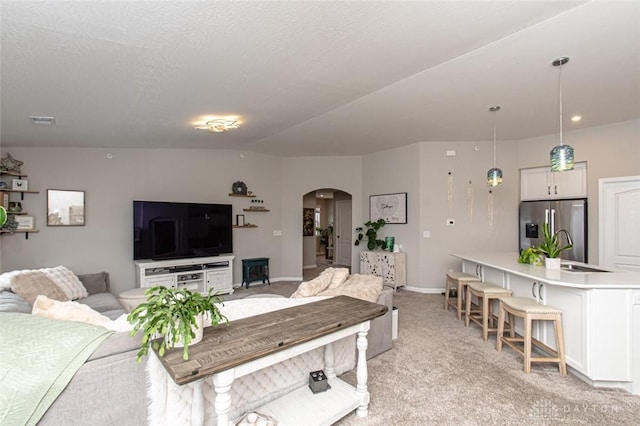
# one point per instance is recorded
(389, 243)
(552, 262)
(199, 334)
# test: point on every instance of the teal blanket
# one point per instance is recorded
(38, 358)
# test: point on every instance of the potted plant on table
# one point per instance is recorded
(551, 247)
(176, 315)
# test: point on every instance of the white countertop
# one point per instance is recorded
(508, 262)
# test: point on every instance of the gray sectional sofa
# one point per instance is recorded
(110, 388)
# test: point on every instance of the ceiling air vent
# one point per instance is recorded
(42, 121)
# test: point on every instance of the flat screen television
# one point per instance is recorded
(166, 230)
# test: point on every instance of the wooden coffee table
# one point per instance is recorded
(250, 344)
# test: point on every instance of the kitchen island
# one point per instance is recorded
(600, 313)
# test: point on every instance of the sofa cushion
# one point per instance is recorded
(105, 303)
(30, 284)
(95, 283)
(67, 281)
(11, 302)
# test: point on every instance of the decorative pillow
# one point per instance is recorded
(68, 311)
(67, 281)
(95, 283)
(315, 286)
(29, 285)
(339, 277)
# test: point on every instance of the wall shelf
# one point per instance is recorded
(245, 226)
(19, 231)
(256, 210)
(242, 195)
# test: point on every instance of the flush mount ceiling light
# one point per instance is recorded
(494, 175)
(219, 125)
(561, 155)
(42, 121)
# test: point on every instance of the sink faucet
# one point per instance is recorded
(569, 240)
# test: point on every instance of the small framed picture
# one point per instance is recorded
(240, 220)
(25, 223)
(20, 185)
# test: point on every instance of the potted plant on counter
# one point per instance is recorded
(177, 315)
(551, 247)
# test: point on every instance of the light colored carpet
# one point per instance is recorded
(442, 373)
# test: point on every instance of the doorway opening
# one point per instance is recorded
(330, 243)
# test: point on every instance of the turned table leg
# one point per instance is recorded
(361, 371)
(222, 382)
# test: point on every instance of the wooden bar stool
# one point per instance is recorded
(460, 281)
(486, 294)
(530, 310)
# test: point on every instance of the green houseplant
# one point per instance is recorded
(550, 246)
(371, 233)
(174, 314)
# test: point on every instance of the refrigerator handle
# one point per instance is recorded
(546, 216)
(552, 229)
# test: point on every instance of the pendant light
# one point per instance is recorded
(494, 175)
(561, 155)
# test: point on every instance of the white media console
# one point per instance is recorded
(198, 273)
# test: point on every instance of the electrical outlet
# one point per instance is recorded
(277, 233)
(426, 234)
(451, 222)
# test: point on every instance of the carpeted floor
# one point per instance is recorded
(442, 373)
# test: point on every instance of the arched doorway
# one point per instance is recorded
(330, 243)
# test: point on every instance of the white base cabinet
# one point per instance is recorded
(197, 274)
(392, 267)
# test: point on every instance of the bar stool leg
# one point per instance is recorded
(560, 344)
(485, 317)
(447, 289)
(500, 327)
(460, 290)
(527, 344)
(467, 310)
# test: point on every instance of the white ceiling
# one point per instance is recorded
(312, 78)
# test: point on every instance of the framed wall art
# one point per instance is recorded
(390, 207)
(65, 208)
(25, 223)
(308, 222)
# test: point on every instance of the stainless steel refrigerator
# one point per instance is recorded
(569, 215)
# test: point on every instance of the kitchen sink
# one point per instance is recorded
(570, 267)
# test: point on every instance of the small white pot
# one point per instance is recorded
(552, 263)
(199, 334)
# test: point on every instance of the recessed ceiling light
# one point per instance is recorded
(42, 121)
(576, 118)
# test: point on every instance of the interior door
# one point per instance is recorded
(619, 225)
(342, 241)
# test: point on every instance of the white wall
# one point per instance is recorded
(105, 243)
(301, 175)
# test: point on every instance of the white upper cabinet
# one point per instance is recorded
(540, 183)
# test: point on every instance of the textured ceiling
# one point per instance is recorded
(311, 78)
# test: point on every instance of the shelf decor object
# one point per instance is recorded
(3, 216)
(494, 175)
(561, 155)
(392, 208)
(65, 208)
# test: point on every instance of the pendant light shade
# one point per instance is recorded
(494, 175)
(561, 155)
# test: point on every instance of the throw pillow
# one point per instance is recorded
(339, 277)
(29, 285)
(67, 311)
(67, 281)
(95, 283)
